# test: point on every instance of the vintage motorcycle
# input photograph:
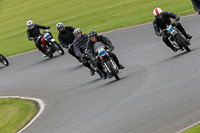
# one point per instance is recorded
(3, 60)
(108, 64)
(93, 65)
(176, 38)
(49, 44)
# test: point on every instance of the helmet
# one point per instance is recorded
(157, 11)
(77, 31)
(92, 33)
(30, 24)
(59, 25)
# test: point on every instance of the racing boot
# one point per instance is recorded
(187, 36)
(91, 72)
(121, 66)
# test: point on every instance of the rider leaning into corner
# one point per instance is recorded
(93, 38)
(66, 37)
(79, 44)
(196, 4)
(33, 32)
(162, 19)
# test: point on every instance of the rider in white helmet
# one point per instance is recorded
(162, 19)
(33, 32)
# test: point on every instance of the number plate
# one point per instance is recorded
(170, 29)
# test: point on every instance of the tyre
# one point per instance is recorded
(59, 49)
(112, 70)
(181, 42)
(3, 60)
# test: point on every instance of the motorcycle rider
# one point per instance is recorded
(93, 38)
(162, 19)
(66, 37)
(33, 32)
(79, 44)
(196, 4)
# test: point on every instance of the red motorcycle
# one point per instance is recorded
(49, 44)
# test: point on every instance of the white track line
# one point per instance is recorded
(189, 127)
(41, 108)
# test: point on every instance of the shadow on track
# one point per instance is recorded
(76, 67)
(1, 67)
(45, 60)
(184, 53)
(90, 82)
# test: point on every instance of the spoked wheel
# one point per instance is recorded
(182, 43)
(59, 49)
(112, 70)
(3, 60)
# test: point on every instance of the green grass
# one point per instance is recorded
(99, 15)
(195, 129)
(15, 113)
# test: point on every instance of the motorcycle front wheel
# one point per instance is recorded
(59, 49)
(3, 60)
(112, 70)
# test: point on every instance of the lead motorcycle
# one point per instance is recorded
(176, 38)
(108, 64)
(92, 64)
(3, 60)
(49, 44)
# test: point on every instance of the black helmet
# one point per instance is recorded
(92, 33)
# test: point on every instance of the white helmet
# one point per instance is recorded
(157, 11)
(30, 24)
(77, 31)
(59, 25)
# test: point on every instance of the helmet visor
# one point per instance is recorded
(31, 26)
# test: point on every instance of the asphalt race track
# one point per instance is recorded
(158, 91)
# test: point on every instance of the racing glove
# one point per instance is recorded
(177, 18)
(158, 34)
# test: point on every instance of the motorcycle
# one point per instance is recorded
(93, 65)
(3, 60)
(49, 44)
(176, 38)
(108, 64)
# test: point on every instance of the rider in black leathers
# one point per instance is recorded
(33, 32)
(196, 4)
(79, 47)
(66, 37)
(162, 19)
(93, 38)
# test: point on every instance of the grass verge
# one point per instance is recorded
(15, 114)
(99, 15)
(195, 129)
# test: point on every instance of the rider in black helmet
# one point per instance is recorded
(162, 19)
(93, 38)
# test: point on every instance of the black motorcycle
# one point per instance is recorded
(176, 38)
(49, 44)
(3, 60)
(92, 63)
(108, 64)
